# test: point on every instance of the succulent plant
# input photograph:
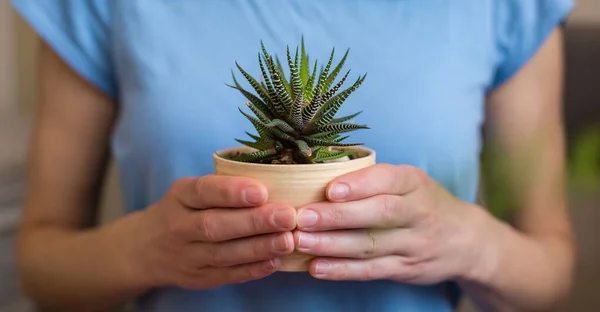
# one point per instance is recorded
(295, 115)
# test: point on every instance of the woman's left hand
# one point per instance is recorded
(391, 222)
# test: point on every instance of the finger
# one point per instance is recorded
(245, 250)
(212, 191)
(217, 225)
(358, 244)
(381, 211)
(212, 277)
(374, 180)
(389, 267)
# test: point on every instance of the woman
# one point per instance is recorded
(144, 81)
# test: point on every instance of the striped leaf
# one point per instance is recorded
(255, 156)
(309, 90)
(286, 83)
(258, 112)
(260, 90)
(274, 104)
(323, 76)
(334, 104)
(296, 114)
(304, 148)
(340, 127)
(304, 74)
(283, 96)
(336, 71)
(255, 145)
(335, 88)
(321, 142)
(345, 118)
(296, 111)
(284, 126)
(264, 130)
(330, 155)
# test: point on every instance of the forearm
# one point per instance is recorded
(519, 272)
(78, 270)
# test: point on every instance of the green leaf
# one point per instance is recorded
(255, 156)
(323, 76)
(321, 142)
(275, 104)
(335, 88)
(308, 87)
(262, 130)
(304, 148)
(334, 104)
(258, 112)
(340, 127)
(283, 98)
(336, 71)
(284, 126)
(304, 65)
(284, 80)
(265, 130)
(296, 112)
(345, 118)
(255, 145)
(258, 103)
(331, 155)
(257, 138)
(260, 90)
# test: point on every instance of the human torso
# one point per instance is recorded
(428, 66)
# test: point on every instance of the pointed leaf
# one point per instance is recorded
(345, 118)
(323, 76)
(255, 156)
(304, 65)
(282, 95)
(334, 104)
(340, 127)
(284, 80)
(321, 142)
(330, 155)
(308, 87)
(254, 145)
(304, 148)
(260, 90)
(336, 71)
(284, 126)
(327, 96)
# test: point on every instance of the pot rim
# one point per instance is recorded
(368, 157)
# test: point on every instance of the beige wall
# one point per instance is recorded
(587, 11)
(6, 55)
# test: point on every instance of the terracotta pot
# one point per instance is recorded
(295, 185)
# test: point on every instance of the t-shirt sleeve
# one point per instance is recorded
(520, 29)
(79, 32)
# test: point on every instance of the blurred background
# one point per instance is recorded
(18, 50)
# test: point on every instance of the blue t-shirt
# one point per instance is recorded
(429, 64)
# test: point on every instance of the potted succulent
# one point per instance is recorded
(299, 146)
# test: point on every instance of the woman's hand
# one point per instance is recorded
(390, 222)
(211, 231)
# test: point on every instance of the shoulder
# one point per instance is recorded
(520, 28)
(79, 32)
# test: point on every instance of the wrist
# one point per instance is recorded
(123, 235)
(485, 234)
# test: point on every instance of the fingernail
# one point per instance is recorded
(279, 243)
(282, 218)
(254, 195)
(307, 218)
(321, 267)
(338, 191)
(306, 241)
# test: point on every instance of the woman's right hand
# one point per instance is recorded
(210, 231)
